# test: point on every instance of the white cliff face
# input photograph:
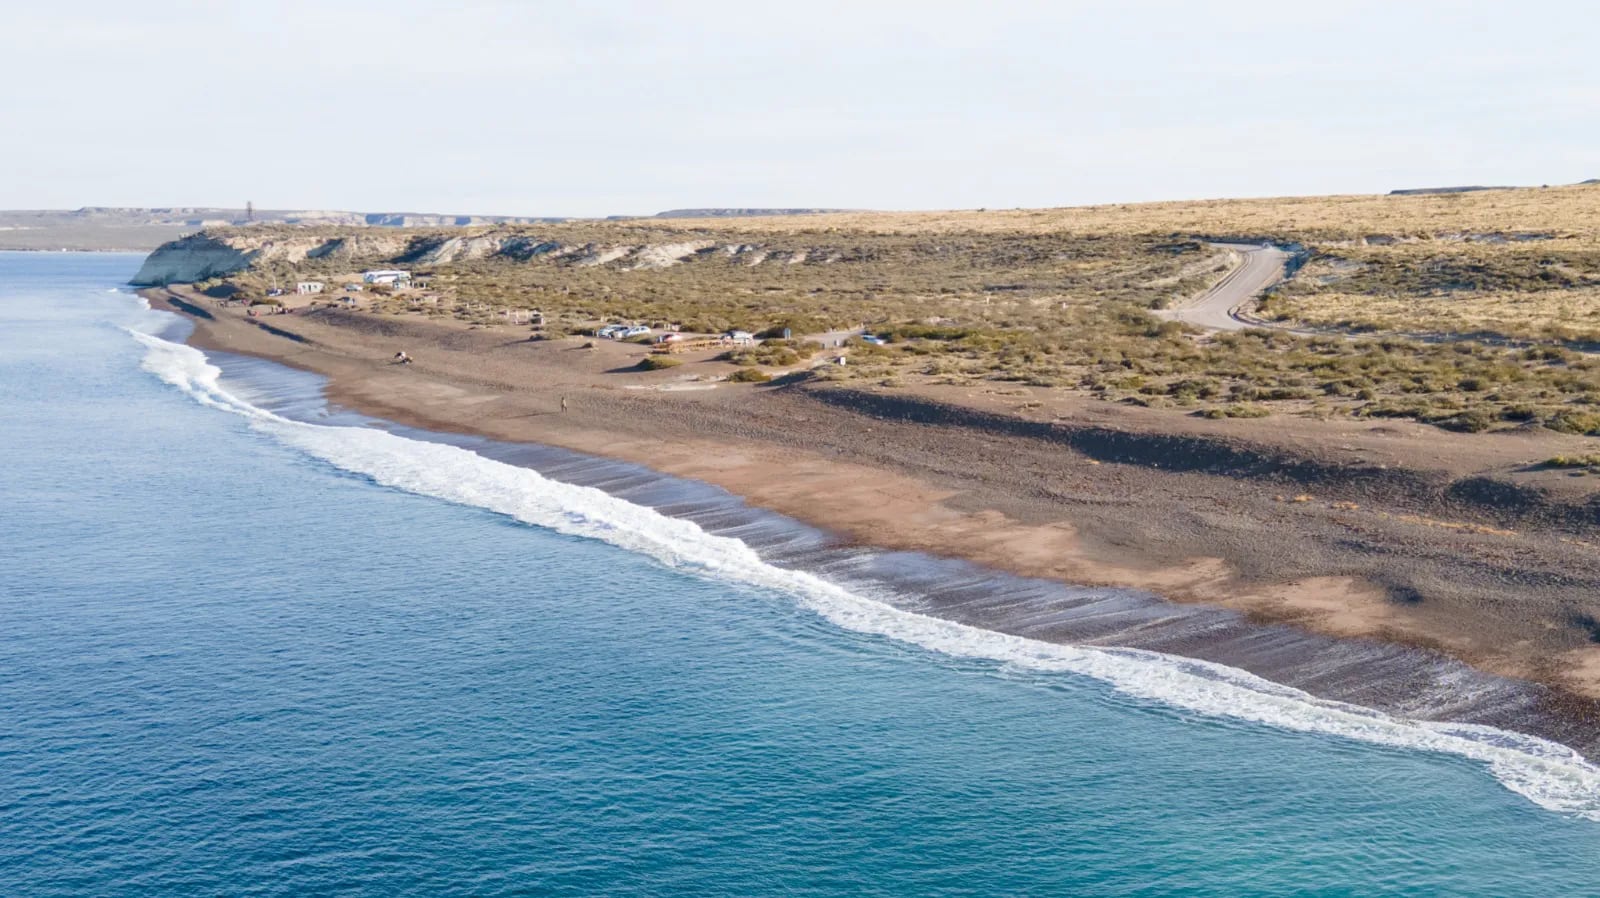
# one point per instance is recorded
(214, 254)
(201, 256)
(666, 255)
(190, 259)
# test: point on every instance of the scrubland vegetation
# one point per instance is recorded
(1546, 288)
(1471, 311)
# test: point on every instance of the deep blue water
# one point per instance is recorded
(238, 658)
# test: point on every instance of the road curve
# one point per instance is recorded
(1226, 306)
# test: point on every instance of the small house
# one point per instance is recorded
(308, 288)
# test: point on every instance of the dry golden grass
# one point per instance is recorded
(1536, 289)
(1574, 210)
(1568, 315)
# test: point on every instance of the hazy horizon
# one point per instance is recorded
(501, 108)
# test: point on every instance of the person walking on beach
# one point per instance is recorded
(563, 403)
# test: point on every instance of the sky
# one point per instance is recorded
(601, 108)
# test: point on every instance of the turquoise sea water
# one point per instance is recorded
(246, 656)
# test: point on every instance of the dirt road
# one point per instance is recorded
(1223, 307)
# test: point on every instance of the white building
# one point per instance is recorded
(389, 276)
(305, 288)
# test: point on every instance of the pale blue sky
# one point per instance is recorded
(595, 108)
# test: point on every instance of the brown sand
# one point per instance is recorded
(1344, 528)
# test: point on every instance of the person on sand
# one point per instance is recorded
(400, 358)
(563, 403)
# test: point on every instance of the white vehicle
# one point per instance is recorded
(610, 331)
(638, 330)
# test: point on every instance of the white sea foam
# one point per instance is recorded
(1551, 775)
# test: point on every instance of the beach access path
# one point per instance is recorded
(1227, 304)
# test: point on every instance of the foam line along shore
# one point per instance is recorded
(1014, 503)
(877, 596)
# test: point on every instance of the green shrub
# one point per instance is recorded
(1574, 422)
(749, 376)
(807, 324)
(1474, 420)
(902, 332)
(1244, 411)
(1193, 388)
(772, 353)
(658, 362)
(1574, 461)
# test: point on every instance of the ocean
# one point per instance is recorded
(252, 645)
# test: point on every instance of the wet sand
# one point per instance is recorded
(1394, 556)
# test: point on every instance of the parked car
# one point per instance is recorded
(669, 338)
(874, 339)
(610, 331)
(739, 336)
(638, 330)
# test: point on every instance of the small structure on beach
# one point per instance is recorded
(390, 277)
(308, 288)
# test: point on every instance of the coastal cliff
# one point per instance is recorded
(191, 259)
(221, 252)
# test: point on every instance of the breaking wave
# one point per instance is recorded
(1551, 775)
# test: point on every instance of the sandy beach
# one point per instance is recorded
(1384, 531)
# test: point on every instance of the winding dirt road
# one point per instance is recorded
(1226, 305)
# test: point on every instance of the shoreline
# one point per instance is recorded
(865, 481)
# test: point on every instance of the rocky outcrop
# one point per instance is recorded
(210, 254)
(666, 255)
(190, 259)
(456, 249)
(359, 245)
